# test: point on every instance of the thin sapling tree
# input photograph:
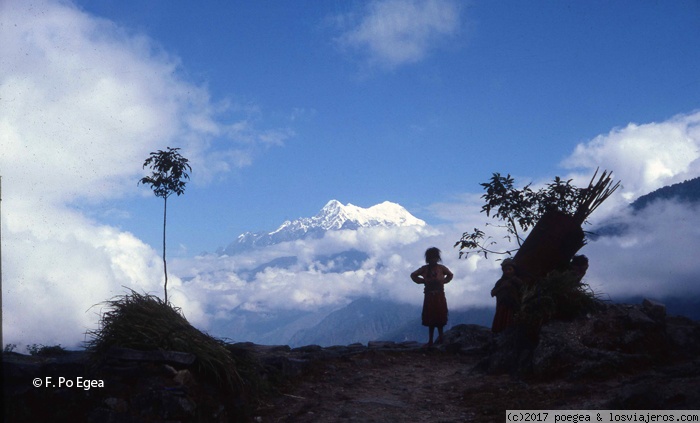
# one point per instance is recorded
(168, 177)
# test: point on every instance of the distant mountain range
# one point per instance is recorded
(374, 319)
(332, 217)
(364, 319)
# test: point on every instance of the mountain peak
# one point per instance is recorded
(333, 216)
(333, 204)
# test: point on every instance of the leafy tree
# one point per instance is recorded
(168, 177)
(519, 210)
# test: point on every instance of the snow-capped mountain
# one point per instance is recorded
(333, 216)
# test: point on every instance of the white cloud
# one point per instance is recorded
(83, 103)
(391, 33)
(59, 266)
(657, 256)
(645, 157)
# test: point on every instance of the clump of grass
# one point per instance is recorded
(147, 323)
(560, 296)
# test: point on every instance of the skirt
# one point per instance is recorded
(504, 318)
(434, 309)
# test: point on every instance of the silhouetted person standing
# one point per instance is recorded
(433, 276)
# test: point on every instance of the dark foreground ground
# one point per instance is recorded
(420, 385)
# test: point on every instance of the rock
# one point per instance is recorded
(509, 352)
(684, 336)
(467, 339)
(381, 344)
(655, 309)
(308, 348)
(174, 357)
(561, 354)
(117, 405)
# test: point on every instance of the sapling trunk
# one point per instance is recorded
(165, 264)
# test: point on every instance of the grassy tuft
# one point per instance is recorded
(147, 323)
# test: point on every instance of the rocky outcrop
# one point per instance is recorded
(617, 339)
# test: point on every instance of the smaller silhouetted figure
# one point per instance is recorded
(434, 276)
(508, 296)
(579, 265)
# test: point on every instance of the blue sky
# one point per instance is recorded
(493, 87)
(283, 106)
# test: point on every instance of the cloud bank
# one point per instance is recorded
(83, 102)
(645, 157)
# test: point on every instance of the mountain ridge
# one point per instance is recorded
(686, 192)
(332, 217)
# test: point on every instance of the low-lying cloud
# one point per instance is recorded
(655, 255)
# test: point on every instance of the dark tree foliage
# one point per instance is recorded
(168, 177)
(169, 172)
(519, 210)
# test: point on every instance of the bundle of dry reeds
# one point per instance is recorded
(595, 194)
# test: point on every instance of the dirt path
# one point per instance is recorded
(413, 386)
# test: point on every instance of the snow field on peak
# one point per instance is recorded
(334, 214)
